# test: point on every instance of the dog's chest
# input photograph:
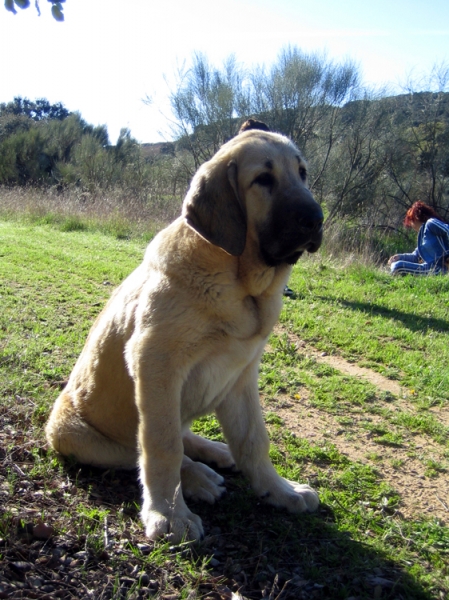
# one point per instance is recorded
(213, 377)
(236, 343)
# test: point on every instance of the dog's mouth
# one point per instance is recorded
(289, 252)
(293, 258)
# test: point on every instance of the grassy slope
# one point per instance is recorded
(54, 283)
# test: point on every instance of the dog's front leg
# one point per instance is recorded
(158, 397)
(241, 418)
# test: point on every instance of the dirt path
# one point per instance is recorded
(382, 383)
(339, 363)
(407, 468)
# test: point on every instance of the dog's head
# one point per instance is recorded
(256, 187)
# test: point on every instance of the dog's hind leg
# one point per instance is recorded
(68, 434)
(207, 451)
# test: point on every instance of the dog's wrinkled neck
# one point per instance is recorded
(256, 276)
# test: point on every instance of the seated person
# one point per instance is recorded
(432, 250)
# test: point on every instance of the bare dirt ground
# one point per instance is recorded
(404, 467)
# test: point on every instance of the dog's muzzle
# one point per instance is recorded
(311, 228)
(295, 227)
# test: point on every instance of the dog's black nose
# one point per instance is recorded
(310, 226)
(310, 217)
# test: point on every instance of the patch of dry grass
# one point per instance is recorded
(118, 211)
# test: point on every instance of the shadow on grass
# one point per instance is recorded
(265, 552)
(412, 321)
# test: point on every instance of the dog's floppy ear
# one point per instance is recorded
(213, 208)
(253, 124)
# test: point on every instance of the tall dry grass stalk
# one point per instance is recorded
(350, 242)
(117, 209)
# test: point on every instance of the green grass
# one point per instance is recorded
(54, 280)
(397, 326)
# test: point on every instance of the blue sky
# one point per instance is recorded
(109, 54)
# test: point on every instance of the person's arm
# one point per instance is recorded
(440, 231)
(408, 257)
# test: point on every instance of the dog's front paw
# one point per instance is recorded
(295, 497)
(176, 527)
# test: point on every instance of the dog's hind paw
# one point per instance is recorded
(200, 482)
(295, 497)
(207, 451)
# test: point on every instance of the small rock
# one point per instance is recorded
(35, 582)
(42, 531)
(20, 566)
(73, 563)
(381, 581)
(225, 592)
(47, 588)
(143, 578)
(215, 531)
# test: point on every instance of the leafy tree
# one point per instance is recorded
(302, 96)
(10, 124)
(94, 165)
(127, 149)
(37, 110)
(23, 157)
(57, 10)
(39, 139)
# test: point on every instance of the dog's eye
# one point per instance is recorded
(265, 180)
(303, 173)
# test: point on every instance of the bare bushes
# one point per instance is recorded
(370, 155)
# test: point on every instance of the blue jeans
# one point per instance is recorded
(402, 267)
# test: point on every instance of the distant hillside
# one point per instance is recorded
(150, 151)
(411, 108)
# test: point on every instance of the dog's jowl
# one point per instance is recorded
(183, 336)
